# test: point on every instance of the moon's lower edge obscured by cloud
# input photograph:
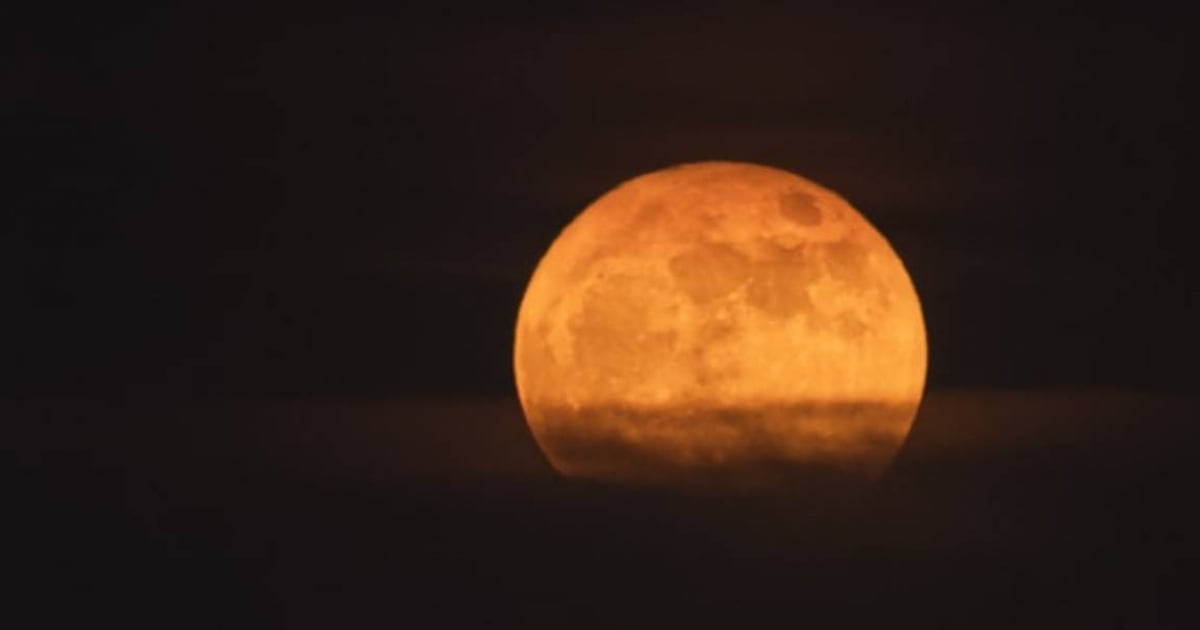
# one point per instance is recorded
(722, 324)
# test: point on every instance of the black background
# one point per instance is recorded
(210, 204)
(347, 199)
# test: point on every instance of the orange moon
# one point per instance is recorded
(723, 324)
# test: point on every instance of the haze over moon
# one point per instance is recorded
(723, 323)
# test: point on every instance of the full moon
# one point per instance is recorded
(723, 324)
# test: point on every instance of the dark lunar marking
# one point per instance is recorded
(849, 325)
(847, 263)
(650, 211)
(772, 293)
(780, 286)
(709, 271)
(800, 208)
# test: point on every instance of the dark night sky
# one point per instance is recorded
(263, 262)
(346, 199)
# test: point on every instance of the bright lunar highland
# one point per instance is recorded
(723, 324)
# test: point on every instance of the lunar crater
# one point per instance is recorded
(800, 208)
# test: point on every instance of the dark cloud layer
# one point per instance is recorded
(1045, 509)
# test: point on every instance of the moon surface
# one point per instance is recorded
(723, 324)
